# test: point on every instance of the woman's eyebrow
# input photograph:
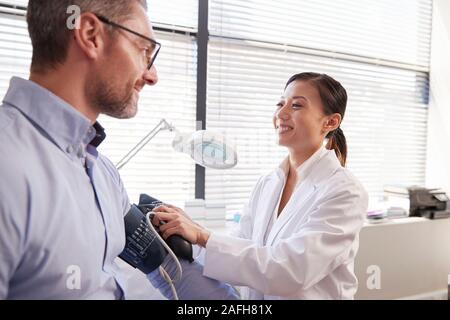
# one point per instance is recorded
(296, 97)
(300, 97)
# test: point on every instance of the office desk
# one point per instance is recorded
(413, 256)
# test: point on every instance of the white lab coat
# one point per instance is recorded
(308, 252)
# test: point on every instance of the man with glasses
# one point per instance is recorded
(61, 202)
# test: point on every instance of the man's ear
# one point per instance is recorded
(332, 122)
(90, 35)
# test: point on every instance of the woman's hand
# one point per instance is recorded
(178, 222)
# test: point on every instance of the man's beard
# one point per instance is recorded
(114, 101)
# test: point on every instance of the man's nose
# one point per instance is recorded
(151, 76)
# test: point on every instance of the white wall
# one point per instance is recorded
(438, 156)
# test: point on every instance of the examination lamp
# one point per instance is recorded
(207, 148)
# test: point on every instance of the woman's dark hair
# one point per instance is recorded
(334, 100)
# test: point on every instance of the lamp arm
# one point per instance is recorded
(161, 126)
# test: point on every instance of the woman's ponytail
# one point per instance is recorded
(338, 143)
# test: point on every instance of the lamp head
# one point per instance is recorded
(207, 148)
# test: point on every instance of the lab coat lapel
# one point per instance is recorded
(318, 173)
(300, 195)
(266, 205)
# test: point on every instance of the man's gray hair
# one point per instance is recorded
(47, 26)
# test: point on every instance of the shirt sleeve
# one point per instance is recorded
(13, 221)
(193, 284)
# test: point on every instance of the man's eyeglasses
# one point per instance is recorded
(151, 54)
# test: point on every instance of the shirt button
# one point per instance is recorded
(91, 130)
(69, 149)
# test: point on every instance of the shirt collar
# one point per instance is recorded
(100, 135)
(67, 127)
(305, 168)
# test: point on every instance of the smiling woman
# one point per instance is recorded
(311, 102)
(311, 111)
(299, 233)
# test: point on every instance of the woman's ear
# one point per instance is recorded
(332, 122)
(89, 35)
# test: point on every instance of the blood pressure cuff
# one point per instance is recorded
(143, 249)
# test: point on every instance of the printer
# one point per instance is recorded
(428, 203)
(419, 201)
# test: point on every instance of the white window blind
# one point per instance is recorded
(13, 6)
(18, 3)
(174, 13)
(379, 50)
(384, 29)
(386, 118)
(15, 50)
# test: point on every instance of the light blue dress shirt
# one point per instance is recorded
(61, 204)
